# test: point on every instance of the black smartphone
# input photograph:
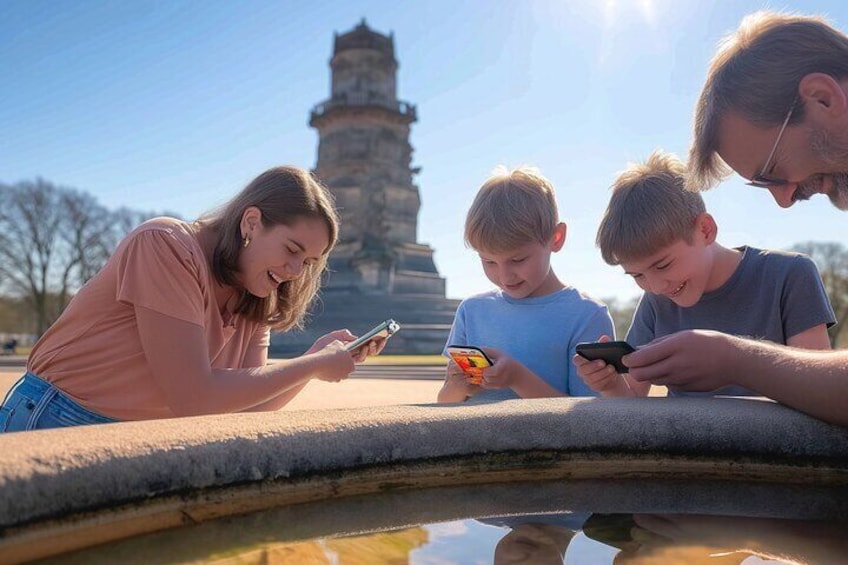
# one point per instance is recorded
(382, 330)
(472, 360)
(609, 351)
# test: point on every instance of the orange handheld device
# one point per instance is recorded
(472, 360)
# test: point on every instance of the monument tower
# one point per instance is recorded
(378, 269)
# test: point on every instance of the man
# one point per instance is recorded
(775, 110)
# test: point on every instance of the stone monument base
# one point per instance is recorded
(425, 322)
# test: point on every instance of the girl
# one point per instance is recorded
(177, 323)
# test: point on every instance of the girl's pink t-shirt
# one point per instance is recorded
(93, 353)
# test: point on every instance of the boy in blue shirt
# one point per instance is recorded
(663, 237)
(531, 324)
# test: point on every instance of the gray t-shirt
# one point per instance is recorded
(772, 295)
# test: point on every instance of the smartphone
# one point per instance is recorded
(609, 351)
(382, 330)
(614, 530)
(472, 360)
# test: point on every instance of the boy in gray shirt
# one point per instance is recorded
(663, 237)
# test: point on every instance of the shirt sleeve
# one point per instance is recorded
(458, 335)
(598, 324)
(256, 353)
(261, 337)
(804, 303)
(643, 327)
(158, 272)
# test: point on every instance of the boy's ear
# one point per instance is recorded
(823, 97)
(251, 219)
(558, 240)
(706, 228)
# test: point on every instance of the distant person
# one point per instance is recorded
(10, 346)
(775, 109)
(177, 323)
(662, 236)
(531, 324)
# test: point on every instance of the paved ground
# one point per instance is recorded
(380, 388)
(369, 386)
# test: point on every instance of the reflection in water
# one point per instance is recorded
(554, 539)
(718, 540)
(384, 548)
(618, 539)
(610, 522)
(536, 538)
(533, 543)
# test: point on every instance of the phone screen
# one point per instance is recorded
(471, 360)
(609, 351)
(383, 329)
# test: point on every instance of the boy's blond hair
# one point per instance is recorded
(650, 208)
(511, 209)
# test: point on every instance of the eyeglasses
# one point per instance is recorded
(763, 180)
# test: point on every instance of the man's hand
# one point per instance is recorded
(692, 360)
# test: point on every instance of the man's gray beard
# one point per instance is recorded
(839, 192)
(834, 153)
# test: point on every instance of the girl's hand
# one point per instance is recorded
(373, 347)
(337, 335)
(335, 362)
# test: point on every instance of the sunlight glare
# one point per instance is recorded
(609, 13)
(649, 12)
(613, 11)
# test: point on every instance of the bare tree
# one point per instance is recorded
(86, 240)
(52, 240)
(832, 261)
(30, 218)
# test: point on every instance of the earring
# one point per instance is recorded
(246, 240)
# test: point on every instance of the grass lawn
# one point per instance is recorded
(406, 360)
(431, 360)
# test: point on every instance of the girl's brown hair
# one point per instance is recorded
(283, 195)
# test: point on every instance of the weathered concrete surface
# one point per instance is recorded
(48, 474)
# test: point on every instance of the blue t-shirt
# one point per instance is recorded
(540, 333)
(772, 295)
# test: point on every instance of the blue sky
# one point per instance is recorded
(170, 105)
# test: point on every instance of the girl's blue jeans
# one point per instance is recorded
(34, 404)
